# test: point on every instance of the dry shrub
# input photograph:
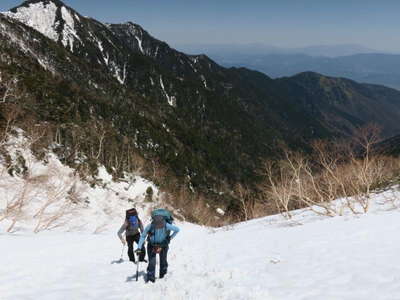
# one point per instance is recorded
(335, 170)
(47, 199)
(15, 207)
(100, 228)
(247, 201)
(57, 207)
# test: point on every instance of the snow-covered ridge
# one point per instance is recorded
(39, 16)
(60, 23)
(42, 16)
(64, 25)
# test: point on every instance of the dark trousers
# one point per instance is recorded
(129, 240)
(151, 268)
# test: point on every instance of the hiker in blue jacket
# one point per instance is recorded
(158, 238)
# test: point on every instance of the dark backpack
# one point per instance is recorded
(158, 230)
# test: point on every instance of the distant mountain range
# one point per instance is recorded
(258, 49)
(354, 62)
(209, 126)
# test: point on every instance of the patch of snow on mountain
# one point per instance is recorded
(193, 60)
(39, 16)
(220, 211)
(139, 43)
(117, 71)
(106, 56)
(124, 74)
(100, 45)
(171, 99)
(69, 33)
(156, 53)
(203, 79)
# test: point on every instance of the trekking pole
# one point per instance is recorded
(137, 266)
(122, 253)
(137, 270)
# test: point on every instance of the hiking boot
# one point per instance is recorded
(150, 279)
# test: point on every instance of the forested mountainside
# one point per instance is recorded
(112, 94)
(389, 146)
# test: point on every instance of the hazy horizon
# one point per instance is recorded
(366, 23)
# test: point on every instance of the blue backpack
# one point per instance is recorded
(133, 221)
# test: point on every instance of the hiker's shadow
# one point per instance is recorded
(133, 277)
(118, 261)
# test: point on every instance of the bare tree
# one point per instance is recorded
(101, 135)
(246, 201)
(370, 167)
(24, 192)
(57, 206)
(11, 112)
(14, 207)
(136, 164)
(8, 89)
(280, 186)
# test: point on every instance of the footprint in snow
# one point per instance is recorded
(275, 261)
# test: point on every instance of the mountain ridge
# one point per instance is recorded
(373, 68)
(264, 49)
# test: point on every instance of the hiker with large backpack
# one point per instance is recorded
(131, 227)
(158, 235)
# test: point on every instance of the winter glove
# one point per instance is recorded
(157, 250)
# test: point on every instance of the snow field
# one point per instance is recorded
(308, 257)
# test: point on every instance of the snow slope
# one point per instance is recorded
(39, 16)
(49, 189)
(307, 257)
(43, 17)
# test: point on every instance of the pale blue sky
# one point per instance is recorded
(286, 23)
